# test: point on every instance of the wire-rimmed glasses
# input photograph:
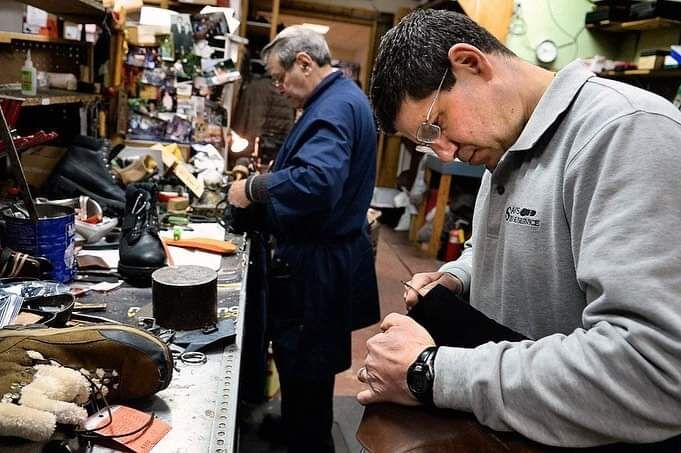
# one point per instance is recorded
(427, 132)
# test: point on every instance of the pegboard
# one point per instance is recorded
(47, 56)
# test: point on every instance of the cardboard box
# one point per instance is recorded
(140, 35)
(652, 58)
(39, 162)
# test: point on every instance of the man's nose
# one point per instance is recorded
(444, 148)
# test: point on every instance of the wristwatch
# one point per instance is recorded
(421, 374)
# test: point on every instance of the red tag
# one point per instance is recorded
(125, 419)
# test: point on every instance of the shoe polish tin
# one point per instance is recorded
(185, 297)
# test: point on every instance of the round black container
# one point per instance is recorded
(185, 297)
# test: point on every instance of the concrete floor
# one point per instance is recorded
(397, 259)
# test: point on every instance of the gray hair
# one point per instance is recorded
(294, 39)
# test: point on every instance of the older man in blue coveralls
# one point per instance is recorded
(314, 203)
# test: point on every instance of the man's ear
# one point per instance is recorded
(468, 59)
(304, 60)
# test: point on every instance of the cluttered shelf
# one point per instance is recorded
(647, 73)
(8, 37)
(83, 11)
(257, 28)
(50, 97)
(181, 5)
(653, 23)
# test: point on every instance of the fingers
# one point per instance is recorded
(367, 397)
(237, 194)
(421, 279)
(451, 282)
(362, 375)
(428, 287)
(419, 284)
(411, 298)
(393, 319)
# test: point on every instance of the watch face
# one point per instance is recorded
(418, 379)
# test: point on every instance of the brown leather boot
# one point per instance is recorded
(123, 362)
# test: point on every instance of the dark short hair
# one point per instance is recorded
(412, 58)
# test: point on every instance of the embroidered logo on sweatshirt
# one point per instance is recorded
(522, 216)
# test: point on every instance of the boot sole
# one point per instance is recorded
(136, 273)
(44, 331)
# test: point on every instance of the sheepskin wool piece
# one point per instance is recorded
(25, 422)
(38, 397)
(66, 412)
(74, 386)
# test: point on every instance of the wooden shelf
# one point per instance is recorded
(261, 29)
(51, 97)
(654, 23)
(8, 37)
(24, 143)
(645, 73)
(181, 6)
(81, 11)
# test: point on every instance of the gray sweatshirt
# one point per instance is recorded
(577, 244)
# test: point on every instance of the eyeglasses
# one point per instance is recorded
(278, 80)
(428, 133)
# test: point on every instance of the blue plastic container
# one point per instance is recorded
(51, 237)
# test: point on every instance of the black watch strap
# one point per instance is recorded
(421, 375)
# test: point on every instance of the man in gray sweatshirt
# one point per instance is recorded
(575, 241)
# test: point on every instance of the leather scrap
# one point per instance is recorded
(205, 245)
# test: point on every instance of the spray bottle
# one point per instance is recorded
(29, 83)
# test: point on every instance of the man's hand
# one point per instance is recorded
(389, 356)
(237, 194)
(426, 281)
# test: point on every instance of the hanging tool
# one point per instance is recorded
(19, 170)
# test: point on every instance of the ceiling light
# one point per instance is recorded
(239, 144)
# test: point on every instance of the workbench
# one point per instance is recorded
(446, 171)
(200, 403)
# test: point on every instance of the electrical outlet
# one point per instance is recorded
(517, 4)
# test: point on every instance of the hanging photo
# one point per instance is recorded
(206, 26)
(167, 100)
(142, 57)
(146, 127)
(183, 37)
(156, 76)
(179, 130)
(167, 48)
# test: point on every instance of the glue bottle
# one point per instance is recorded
(29, 82)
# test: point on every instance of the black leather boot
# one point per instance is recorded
(83, 171)
(141, 250)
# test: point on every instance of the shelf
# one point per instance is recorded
(7, 38)
(29, 141)
(51, 97)
(181, 6)
(255, 28)
(256, 24)
(647, 73)
(81, 11)
(654, 23)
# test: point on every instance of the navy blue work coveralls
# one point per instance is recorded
(322, 281)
